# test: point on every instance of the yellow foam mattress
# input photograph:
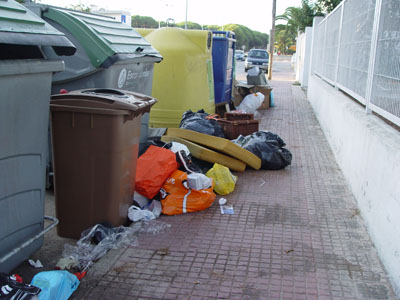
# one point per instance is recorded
(218, 144)
(209, 155)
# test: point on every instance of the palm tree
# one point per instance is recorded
(298, 18)
(284, 38)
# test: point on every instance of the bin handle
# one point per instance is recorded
(105, 91)
(31, 240)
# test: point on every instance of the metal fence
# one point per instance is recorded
(357, 49)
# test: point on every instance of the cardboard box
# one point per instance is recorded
(241, 90)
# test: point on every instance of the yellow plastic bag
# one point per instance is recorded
(224, 180)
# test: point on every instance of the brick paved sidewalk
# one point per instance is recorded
(296, 233)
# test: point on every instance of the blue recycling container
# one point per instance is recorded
(223, 55)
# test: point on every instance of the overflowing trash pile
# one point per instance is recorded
(181, 171)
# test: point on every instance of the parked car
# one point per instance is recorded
(257, 58)
(239, 55)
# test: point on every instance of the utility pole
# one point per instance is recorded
(186, 14)
(272, 39)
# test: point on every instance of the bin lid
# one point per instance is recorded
(104, 39)
(103, 101)
(224, 35)
(20, 26)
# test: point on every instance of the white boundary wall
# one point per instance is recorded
(303, 59)
(368, 152)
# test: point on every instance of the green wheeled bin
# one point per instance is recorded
(109, 54)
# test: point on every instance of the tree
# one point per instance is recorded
(284, 38)
(143, 22)
(247, 37)
(81, 7)
(298, 18)
(190, 25)
(326, 6)
(211, 27)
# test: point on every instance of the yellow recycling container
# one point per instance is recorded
(184, 79)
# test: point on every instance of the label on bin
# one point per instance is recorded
(130, 75)
(122, 78)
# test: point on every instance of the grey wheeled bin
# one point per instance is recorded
(109, 54)
(25, 82)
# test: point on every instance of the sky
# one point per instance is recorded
(255, 14)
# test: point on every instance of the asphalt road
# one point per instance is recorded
(281, 66)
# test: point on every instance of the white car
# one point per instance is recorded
(257, 58)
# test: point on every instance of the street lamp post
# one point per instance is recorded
(186, 14)
(272, 39)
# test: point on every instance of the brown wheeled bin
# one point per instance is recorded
(95, 146)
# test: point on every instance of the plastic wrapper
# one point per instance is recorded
(153, 227)
(85, 251)
(201, 122)
(149, 212)
(96, 241)
(267, 146)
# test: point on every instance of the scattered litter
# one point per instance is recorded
(222, 201)
(162, 251)
(224, 180)
(198, 181)
(67, 263)
(356, 212)
(152, 227)
(262, 183)
(37, 264)
(80, 275)
(96, 241)
(12, 288)
(55, 285)
(227, 209)
(196, 282)
(137, 214)
(289, 251)
(107, 238)
(17, 278)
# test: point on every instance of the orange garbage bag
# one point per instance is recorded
(152, 170)
(177, 199)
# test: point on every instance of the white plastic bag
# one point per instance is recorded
(251, 103)
(136, 214)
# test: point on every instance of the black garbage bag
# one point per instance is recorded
(269, 147)
(197, 121)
